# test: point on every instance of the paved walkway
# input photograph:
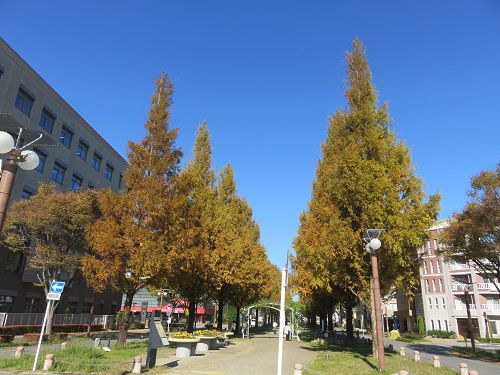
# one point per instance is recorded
(257, 356)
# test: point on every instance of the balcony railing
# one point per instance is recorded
(458, 287)
(464, 307)
(459, 267)
(486, 286)
(490, 306)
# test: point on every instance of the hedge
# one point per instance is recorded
(64, 328)
(442, 334)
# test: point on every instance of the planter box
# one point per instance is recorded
(206, 343)
(185, 347)
(6, 338)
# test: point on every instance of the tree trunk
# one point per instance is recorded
(220, 312)
(348, 323)
(50, 315)
(373, 321)
(124, 322)
(237, 328)
(192, 314)
(256, 318)
(91, 315)
(329, 318)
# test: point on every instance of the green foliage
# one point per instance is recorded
(442, 334)
(421, 325)
(474, 234)
(394, 334)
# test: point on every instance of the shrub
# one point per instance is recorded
(442, 334)
(394, 334)
(420, 325)
(34, 337)
(495, 340)
(6, 338)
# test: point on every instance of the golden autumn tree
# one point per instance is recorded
(365, 179)
(130, 239)
(50, 229)
(194, 236)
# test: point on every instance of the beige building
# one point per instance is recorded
(82, 159)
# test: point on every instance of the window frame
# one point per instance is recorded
(74, 177)
(25, 97)
(86, 147)
(48, 114)
(66, 131)
(98, 157)
(64, 168)
(42, 156)
(111, 169)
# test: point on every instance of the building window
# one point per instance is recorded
(82, 150)
(439, 325)
(47, 120)
(443, 303)
(76, 183)
(24, 102)
(440, 285)
(6, 303)
(430, 303)
(431, 263)
(120, 181)
(435, 246)
(31, 305)
(108, 172)
(43, 157)
(434, 286)
(91, 186)
(429, 252)
(438, 265)
(432, 324)
(427, 287)
(446, 325)
(58, 173)
(27, 193)
(96, 162)
(437, 305)
(425, 267)
(66, 136)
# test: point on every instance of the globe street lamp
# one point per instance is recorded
(371, 237)
(17, 155)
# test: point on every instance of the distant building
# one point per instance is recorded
(83, 160)
(441, 300)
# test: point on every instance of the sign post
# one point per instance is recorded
(168, 313)
(55, 291)
(282, 319)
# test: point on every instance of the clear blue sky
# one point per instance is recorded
(267, 74)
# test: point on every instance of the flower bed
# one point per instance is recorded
(184, 335)
(209, 333)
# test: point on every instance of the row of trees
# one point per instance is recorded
(364, 179)
(176, 227)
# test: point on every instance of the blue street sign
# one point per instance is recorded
(56, 287)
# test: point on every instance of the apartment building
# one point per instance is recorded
(82, 160)
(442, 300)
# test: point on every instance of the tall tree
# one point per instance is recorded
(474, 234)
(130, 241)
(50, 229)
(365, 179)
(194, 237)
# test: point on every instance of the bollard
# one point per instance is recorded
(402, 352)
(417, 356)
(473, 372)
(49, 362)
(136, 369)
(297, 370)
(463, 369)
(97, 342)
(64, 345)
(435, 361)
(19, 352)
(403, 372)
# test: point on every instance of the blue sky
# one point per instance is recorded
(266, 75)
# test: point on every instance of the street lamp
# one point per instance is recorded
(371, 237)
(465, 288)
(162, 293)
(17, 155)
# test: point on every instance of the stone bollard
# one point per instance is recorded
(435, 361)
(473, 372)
(49, 362)
(64, 345)
(297, 370)
(97, 342)
(464, 370)
(402, 351)
(403, 372)
(136, 369)
(19, 352)
(417, 356)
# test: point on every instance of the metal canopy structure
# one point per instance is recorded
(294, 315)
(31, 137)
(370, 234)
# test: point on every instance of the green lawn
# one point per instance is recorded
(479, 353)
(84, 359)
(358, 360)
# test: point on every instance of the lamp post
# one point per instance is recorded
(162, 293)
(469, 317)
(486, 326)
(371, 237)
(17, 156)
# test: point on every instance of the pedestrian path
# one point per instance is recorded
(257, 356)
